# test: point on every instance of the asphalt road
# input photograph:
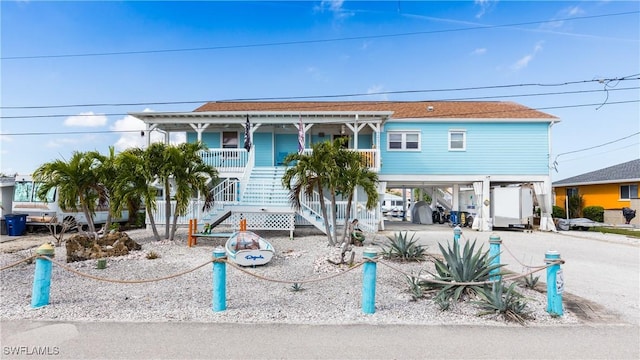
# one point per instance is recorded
(93, 340)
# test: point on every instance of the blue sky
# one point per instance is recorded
(435, 46)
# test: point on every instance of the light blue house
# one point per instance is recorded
(457, 149)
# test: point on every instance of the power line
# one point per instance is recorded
(299, 42)
(555, 162)
(74, 132)
(289, 98)
(600, 153)
(371, 103)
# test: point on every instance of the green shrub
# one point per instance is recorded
(401, 248)
(595, 213)
(558, 212)
(468, 266)
(509, 304)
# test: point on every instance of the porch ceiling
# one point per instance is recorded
(170, 121)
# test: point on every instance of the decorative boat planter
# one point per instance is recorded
(247, 248)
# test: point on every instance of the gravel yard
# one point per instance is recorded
(251, 298)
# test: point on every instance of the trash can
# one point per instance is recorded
(16, 224)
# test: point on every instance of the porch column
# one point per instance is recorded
(199, 128)
(487, 221)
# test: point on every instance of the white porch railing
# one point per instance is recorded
(369, 156)
(226, 160)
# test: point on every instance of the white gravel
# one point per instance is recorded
(250, 298)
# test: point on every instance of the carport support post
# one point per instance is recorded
(457, 231)
(494, 255)
(219, 280)
(42, 277)
(369, 281)
(555, 283)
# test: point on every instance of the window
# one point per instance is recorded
(457, 140)
(24, 191)
(628, 192)
(229, 140)
(403, 140)
(571, 192)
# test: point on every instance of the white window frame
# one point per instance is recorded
(403, 141)
(464, 139)
(628, 186)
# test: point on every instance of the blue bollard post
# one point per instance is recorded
(369, 282)
(555, 283)
(457, 231)
(42, 277)
(219, 280)
(494, 254)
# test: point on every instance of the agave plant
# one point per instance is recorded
(295, 287)
(530, 281)
(506, 303)
(404, 249)
(460, 268)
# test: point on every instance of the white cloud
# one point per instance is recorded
(317, 74)
(335, 7)
(525, 60)
(5, 138)
(376, 89)
(479, 51)
(562, 14)
(61, 142)
(485, 6)
(87, 119)
(132, 137)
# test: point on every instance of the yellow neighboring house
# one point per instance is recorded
(613, 188)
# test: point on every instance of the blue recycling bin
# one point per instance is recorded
(454, 217)
(16, 224)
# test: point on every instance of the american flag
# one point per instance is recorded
(247, 135)
(300, 137)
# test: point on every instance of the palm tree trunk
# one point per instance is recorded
(167, 208)
(334, 217)
(325, 216)
(345, 236)
(87, 214)
(156, 236)
(107, 224)
(175, 226)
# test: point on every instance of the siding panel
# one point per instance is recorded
(491, 148)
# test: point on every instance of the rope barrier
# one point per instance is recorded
(30, 258)
(121, 281)
(304, 281)
(507, 278)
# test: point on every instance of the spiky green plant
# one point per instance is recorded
(400, 247)
(296, 287)
(503, 302)
(530, 281)
(460, 268)
(151, 255)
(415, 286)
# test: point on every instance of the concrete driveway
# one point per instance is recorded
(601, 268)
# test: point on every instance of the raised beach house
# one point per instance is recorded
(437, 147)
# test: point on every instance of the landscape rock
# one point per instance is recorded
(82, 247)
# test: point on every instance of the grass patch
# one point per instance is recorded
(627, 232)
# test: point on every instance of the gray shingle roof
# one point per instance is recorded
(629, 171)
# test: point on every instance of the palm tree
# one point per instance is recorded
(306, 174)
(160, 167)
(191, 176)
(76, 181)
(356, 174)
(318, 171)
(133, 182)
(106, 173)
